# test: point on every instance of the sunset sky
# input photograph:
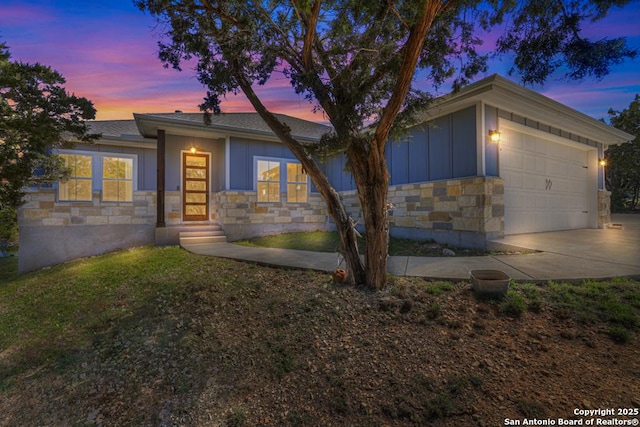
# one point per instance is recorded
(107, 51)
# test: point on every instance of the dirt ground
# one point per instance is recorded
(290, 348)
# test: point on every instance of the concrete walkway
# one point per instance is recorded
(564, 255)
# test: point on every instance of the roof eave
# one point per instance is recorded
(149, 124)
(502, 93)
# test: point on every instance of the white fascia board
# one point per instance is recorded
(514, 98)
(118, 141)
(149, 124)
(148, 143)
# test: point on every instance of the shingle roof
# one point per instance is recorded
(251, 121)
(115, 127)
(238, 121)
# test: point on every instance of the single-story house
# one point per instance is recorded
(160, 178)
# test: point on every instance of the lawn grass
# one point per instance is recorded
(47, 313)
(324, 241)
(113, 318)
(8, 267)
(615, 302)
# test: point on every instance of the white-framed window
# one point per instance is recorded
(79, 186)
(297, 187)
(117, 179)
(274, 175)
(268, 181)
(113, 174)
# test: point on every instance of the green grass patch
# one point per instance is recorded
(183, 322)
(323, 241)
(614, 302)
(8, 267)
(48, 314)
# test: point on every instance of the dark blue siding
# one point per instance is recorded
(491, 149)
(334, 168)
(440, 149)
(398, 162)
(464, 150)
(418, 155)
(444, 148)
(240, 167)
(241, 155)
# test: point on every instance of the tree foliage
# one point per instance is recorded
(356, 61)
(623, 161)
(36, 115)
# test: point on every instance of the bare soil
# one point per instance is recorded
(274, 347)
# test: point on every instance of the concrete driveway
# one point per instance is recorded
(592, 252)
(564, 255)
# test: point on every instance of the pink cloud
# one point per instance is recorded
(23, 15)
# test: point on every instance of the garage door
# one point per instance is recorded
(545, 184)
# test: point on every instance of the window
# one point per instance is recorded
(114, 175)
(79, 185)
(274, 176)
(268, 177)
(296, 183)
(117, 179)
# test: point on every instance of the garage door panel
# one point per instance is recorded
(545, 184)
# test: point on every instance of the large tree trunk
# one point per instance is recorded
(348, 238)
(372, 179)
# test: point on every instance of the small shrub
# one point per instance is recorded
(620, 314)
(433, 311)
(531, 409)
(619, 334)
(532, 295)
(237, 417)
(513, 304)
(438, 288)
(439, 407)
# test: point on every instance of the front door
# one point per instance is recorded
(195, 186)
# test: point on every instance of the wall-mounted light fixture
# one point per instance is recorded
(602, 162)
(494, 136)
(193, 149)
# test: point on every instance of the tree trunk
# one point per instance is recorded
(348, 238)
(376, 222)
(372, 179)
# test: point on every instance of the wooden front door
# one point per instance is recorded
(195, 187)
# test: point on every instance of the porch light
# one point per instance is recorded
(193, 149)
(602, 162)
(494, 136)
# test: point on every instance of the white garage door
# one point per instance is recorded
(545, 184)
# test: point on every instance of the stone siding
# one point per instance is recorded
(42, 209)
(52, 232)
(241, 216)
(471, 210)
(604, 208)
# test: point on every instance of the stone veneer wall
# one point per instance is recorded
(42, 209)
(463, 212)
(604, 208)
(242, 217)
(52, 232)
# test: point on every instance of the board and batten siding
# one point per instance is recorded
(175, 144)
(444, 148)
(241, 154)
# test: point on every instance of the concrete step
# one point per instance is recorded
(208, 234)
(201, 233)
(202, 239)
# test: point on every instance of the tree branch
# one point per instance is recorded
(206, 5)
(411, 54)
(310, 35)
